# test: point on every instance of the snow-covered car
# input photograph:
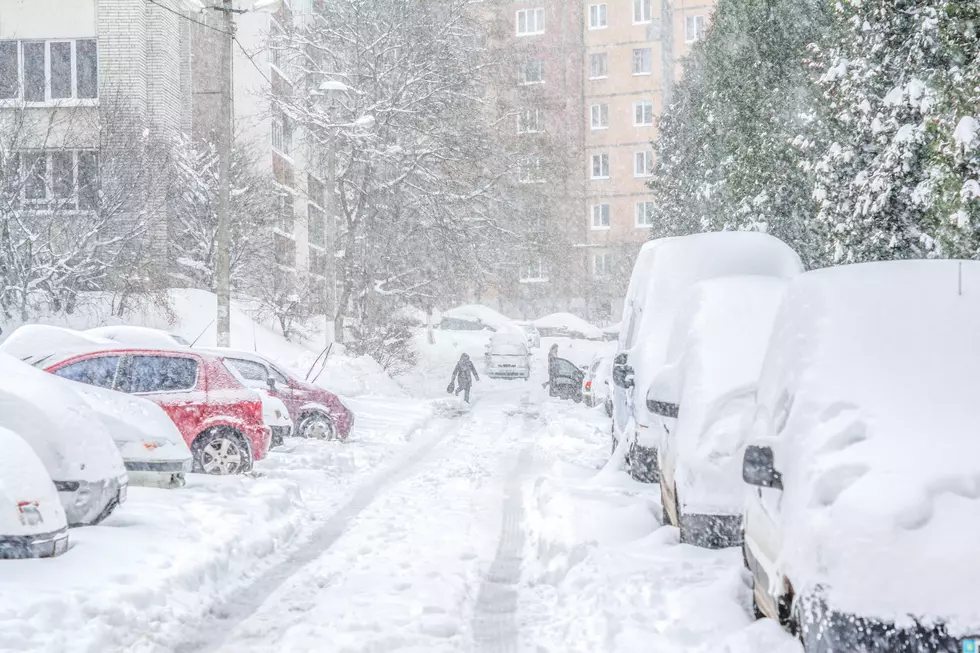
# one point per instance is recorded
(567, 325)
(532, 335)
(137, 336)
(26, 341)
(473, 317)
(32, 519)
(863, 459)
(508, 356)
(152, 448)
(597, 384)
(69, 438)
(274, 411)
(315, 411)
(662, 278)
(701, 394)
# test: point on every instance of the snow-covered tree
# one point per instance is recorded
(725, 153)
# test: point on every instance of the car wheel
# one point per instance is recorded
(221, 451)
(318, 427)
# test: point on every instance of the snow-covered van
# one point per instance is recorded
(32, 519)
(701, 395)
(68, 437)
(507, 356)
(152, 448)
(863, 460)
(664, 273)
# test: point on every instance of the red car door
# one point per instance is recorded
(172, 381)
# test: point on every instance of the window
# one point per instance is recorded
(643, 163)
(597, 65)
(60, 179)
(285, 215)
(314, 189)
(532, 72)
(534, 272)
(284, 250)
(644, 214)
(279, 377)
(530, 21)
(100, 372)
(529, 121)
(601, 264)
(158, 374)
(315, 225)
(282, 133)
(642, 11)
(693, 28)
(597, 16)
(642, 61)
(600, 116)
(600, 166)
(318, 262)
(49, 71)
(600, 216)
(531, 171)
(249, 370)
(643, 113)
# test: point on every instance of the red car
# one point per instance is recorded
(220, 419)
(316, 412)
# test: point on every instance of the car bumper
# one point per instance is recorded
(89, 502)
(167, 474)
(259, 439)
(46, 545)
(508, 372)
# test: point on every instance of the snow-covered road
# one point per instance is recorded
(438, 527)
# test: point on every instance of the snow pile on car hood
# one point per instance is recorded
(49, 414)
(23, 480)
(718, 345)
(570, 323)
(141, 430)
(872, 382)
(477, 313)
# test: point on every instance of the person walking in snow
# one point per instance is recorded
(465, 372)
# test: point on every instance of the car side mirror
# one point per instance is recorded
(663, 397)
(622, 373)
(271, 382)
(759, 469)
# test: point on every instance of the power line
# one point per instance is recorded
(185, 17)
(252, 60)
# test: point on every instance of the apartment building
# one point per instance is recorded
(633, 54)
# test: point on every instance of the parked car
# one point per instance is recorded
(507, 356)
(32, 519)
(136, 336)
(69, 438)
(152, 448)
(315, 411)
(567, 380)
(473, 317)
(567, 325)
(662, 278)
(701, 394)
(219, 418)
(597, 384)
(532, 334)
(861, 520)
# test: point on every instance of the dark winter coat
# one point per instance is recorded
(465, 372)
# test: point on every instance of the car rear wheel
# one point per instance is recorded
(318, 427)
(221, 451)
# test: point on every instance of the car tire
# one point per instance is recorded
(221, 451)
(317, 426)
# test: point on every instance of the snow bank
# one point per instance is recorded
(872, 382)
(566, 323)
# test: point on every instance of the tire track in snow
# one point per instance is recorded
(245, 601)
(494, 619)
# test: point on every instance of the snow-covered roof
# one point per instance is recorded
(872, 379)
(569, 323)
(716, 351)
(136, 336)
(24, 480)
(34, 339)
(48, 413)
(477, 313)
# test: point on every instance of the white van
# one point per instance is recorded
(662, 279)
(507, 356)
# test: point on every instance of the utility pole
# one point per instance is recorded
(330, 235)
(222, 255)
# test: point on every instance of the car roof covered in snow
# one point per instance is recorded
(49, 414)
(24, 480)
(716, 352)
(477, 313)
(871, 381)
(137, 336)
(570, 323)
(30, 340)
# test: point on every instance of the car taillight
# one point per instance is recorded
(255, 408)
(588, 385)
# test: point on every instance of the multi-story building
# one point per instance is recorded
(633, 53)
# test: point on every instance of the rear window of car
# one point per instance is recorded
(100, 371)
(159, 374)
(250, 370)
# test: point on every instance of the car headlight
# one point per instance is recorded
(83, 497)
